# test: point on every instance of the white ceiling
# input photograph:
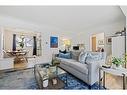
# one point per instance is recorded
(68, 18)
(124, 10)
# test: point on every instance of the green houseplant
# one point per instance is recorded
(117, 61)
(21, 44)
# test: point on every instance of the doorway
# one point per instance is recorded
(97, 42)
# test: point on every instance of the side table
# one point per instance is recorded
(117, 72)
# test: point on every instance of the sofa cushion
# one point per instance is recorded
(67, 60)
(75, 54)
(82, 57)
(76, 65)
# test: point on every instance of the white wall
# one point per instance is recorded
(8, 40)
(46, 32)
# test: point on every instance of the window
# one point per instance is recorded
(28, 41)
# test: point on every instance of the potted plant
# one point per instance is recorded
(21, 44)
(117, 62)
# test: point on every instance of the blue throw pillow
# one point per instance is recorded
(65, 55)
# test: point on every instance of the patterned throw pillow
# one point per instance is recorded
(82, 57)
(94, 56)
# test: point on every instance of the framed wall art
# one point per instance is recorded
(101, 42)
(53, 42)
(109, 40)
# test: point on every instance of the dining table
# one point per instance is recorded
(19, 56)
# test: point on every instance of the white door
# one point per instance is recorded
(118, 46)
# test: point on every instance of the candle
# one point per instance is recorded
(54, 81)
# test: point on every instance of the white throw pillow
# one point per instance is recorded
(82, 57)
(95, 56)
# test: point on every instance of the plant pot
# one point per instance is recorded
(114, 66)
(45, 83)
(119, 66)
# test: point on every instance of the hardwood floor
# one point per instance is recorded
(114, 82)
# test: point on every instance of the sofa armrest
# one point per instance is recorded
(94, 62)
(93, 70)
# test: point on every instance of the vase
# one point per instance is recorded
(45, 80)
(22, 49)
(114, 66)
(45, 83)
(119, 66)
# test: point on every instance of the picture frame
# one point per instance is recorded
(101, 42)
(109, 40)
(53, 42)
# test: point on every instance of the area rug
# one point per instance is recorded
(25, 79)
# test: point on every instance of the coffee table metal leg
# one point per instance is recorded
(56, 70)
(66, 79)
(124, 81)
(104, 79)
(99, 78)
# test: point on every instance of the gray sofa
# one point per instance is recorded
(88, 71)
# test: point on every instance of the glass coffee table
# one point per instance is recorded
(47, 76)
